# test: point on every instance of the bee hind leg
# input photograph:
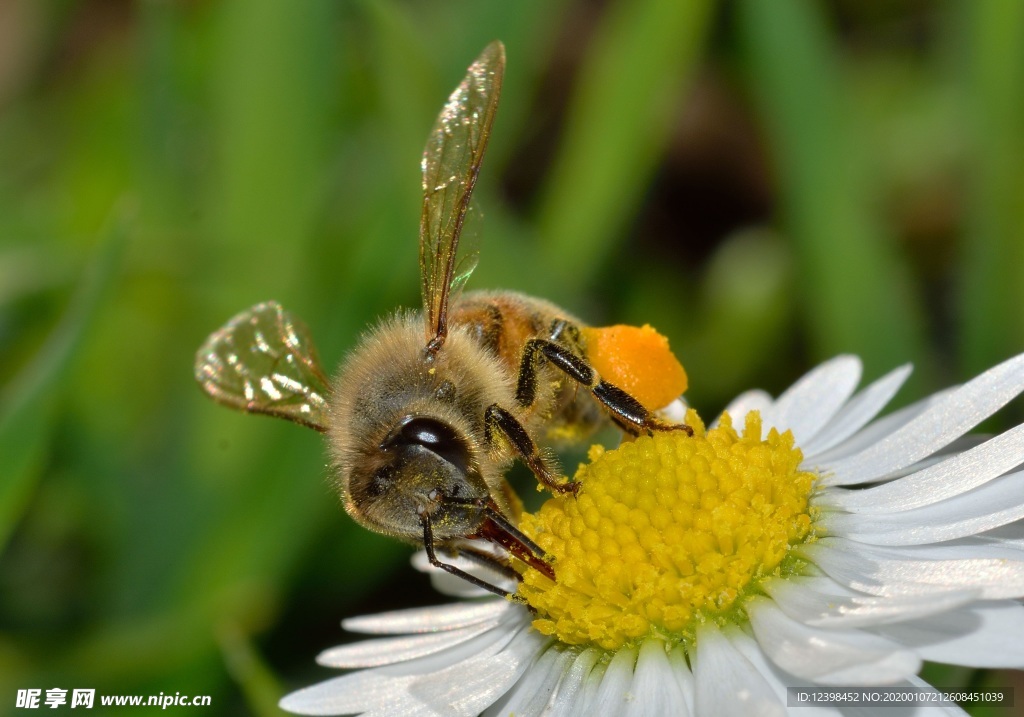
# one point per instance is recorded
(626, 411)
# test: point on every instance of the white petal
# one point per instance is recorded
(674, 412)
(996, 503)
(370, 653)
(684, 680)
(430, 619)
(960, 445)
(469, 687)
(654, 691)
(743, 404)
(569, 693)
(874, 432)
(950, 477)
(984, 635)
(912, 571)
(828, 656)
(349, 694)
(857, 412)
(806, 406)
(587, 700)
(969, 548)
(728, 685)
(613, 695)
(387, 688)
(1011, 535)
(779, 681)
(975, 546)
(821, 602)
(488, 643)
(531, 694)
(936, 427)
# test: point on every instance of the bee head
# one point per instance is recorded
(427, 468)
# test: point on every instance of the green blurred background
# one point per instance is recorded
(769, 183)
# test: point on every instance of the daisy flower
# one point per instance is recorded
(796, 542)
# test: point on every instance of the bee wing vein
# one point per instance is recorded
(263, 361)
(451, 163)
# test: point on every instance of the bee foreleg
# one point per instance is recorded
(428, 544)
(490, 561)
(626, 411)
(497, 418)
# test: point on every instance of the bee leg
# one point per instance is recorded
(497, 418)
(565, 332)
(428, 544)
(626, 411)
(492, 562)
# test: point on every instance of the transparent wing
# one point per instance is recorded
(468, 250)
(263, 361)
(451, 163)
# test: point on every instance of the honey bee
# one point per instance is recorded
(431, 407)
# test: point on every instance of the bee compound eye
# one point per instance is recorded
(436, 436)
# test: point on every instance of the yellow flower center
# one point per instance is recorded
(668, 531)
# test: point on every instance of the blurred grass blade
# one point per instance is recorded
(746, 309)
(631, 85)
(409, 88)
(27, 406)
(856, 293)
(24, 435)
(244, 663)
(993, 270)
(271, 87)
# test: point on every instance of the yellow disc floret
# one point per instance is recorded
(667, 531)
